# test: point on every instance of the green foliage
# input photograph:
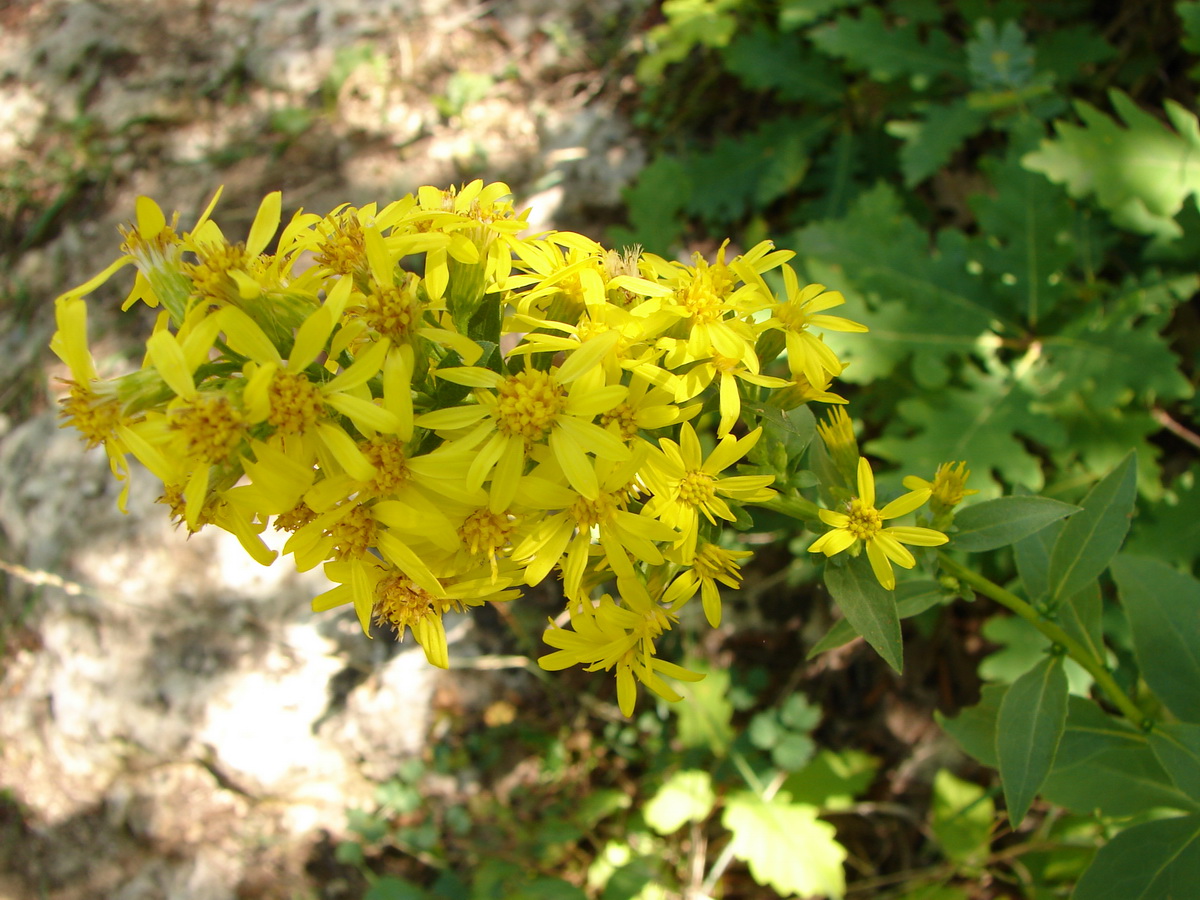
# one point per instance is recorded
(869, 608)
(1006, 520)
(1032, 717)
(1141, 173)
(785, 845)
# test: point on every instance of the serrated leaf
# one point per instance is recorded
(751, 170)
(867, 43)
(1110, 353)
(1162, 605)
(1032, 718)
(962, 817)
(686, 796)
(999, 58)
(922, 300)
(785, 845)
(1140, 173)
(1032, 235)
(767, 60)
(912, 598)
(988, 423)
(1177, 746)
(1005, 520)
(930, 141)
(1092, 536)
(1157, 860)
(868, 607)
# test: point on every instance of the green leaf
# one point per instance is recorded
(686, 796)
(1033, 236)
(1082, 617)
(1177, 746)
(794, 427)
(1162, 608)
(870, 610)
(798, 714)
(749, 171)
(764, 59)
(999, 59)
(785, 845)
(1022, 646)
(1189, 14)
(1107, 765)
(1170, 529)
(792, 752)
(929, 142)
(1032, 556)
(1092, 537)
(706, 715)
(794, 13)
(974, 728)
(833, 780)
(962, 817)
(391, 888)
(1071, 52)
(655, 202)
(548, 889)
(922, 300)
(1157, 860)
(1005, 520)
(912, 598)
(989, 423)
(1141, 173)
(1032, 718)
(866, 43)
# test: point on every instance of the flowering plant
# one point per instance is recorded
(441, 411)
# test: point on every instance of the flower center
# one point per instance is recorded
(865, 521)
(400, 603)
(96, 418)
(354, 533)
(386, 454)
(623, 414)
(295, 403)
(792, 316)
(393, 311)
(696, 488)
(344, 249)
(210, 276)
(484, 531)
(705, 296)
(528, 403)
(295, 518)
(595, 512)
(210, 427)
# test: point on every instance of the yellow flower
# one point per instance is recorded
(606, 636)
(862, 522)
(531, 407)
(807, 354)
(384, 593)
(711, 566)
(837, 433)
(948, 488)
(686, 485)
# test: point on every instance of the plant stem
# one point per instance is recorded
(1095, 667)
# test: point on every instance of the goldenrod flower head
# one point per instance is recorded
(948, 488)
(837, 431)
(862, 524)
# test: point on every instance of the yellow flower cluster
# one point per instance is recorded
(441, 411)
